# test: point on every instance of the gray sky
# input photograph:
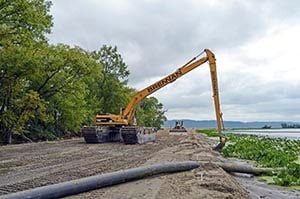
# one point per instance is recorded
(256, 43)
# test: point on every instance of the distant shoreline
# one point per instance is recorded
(228, 124)
(272, 133)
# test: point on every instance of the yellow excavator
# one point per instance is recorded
(115, 128)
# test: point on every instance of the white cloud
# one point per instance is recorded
(256, 45)
(264, 77)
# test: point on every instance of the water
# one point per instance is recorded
(274, 133)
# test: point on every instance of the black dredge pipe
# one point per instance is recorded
(89, 183)
(234, 168)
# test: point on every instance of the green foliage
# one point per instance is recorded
(208, 132)
(48, 91)
(112, 92)
(113, 63)
(58, 76)
(289, 176)
(62, 81)
(30, 106)
(24, 21)
(268, 152)
(150, 113)
(41, 131)
(23, 24)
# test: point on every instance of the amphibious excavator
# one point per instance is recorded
(121, 127)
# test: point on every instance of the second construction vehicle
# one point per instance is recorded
(178, 127)
(121, 127)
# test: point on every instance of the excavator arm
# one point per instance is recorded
(215, 89)
(128, 113)
(139, 96)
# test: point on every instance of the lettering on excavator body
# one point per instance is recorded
(164, 81)
(214, 83)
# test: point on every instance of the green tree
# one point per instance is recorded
(23, 24)
(63, 81)
(150, 113)
(22, 21)
(47, 90)
(16, 66)
(112, 91)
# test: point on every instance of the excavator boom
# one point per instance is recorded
(139, 96)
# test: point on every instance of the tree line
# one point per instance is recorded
(49, 91)
(290, 125)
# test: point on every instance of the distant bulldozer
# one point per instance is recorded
(178, 127)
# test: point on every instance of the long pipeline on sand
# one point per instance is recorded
(94, 182)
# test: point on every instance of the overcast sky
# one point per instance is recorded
(256, 43)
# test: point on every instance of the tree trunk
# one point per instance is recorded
(7, 136)
(26, 138)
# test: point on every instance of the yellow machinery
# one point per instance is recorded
(110, 127)
(178, 127)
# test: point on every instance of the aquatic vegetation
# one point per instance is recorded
(208, 132)
(266, 152)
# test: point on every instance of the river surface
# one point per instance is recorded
(274, 133)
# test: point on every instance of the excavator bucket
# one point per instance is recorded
(220, 145)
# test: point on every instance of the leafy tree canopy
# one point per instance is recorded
(48, 91)
(150, 113)
(22, 21)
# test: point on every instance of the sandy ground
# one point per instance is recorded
(32, 165)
